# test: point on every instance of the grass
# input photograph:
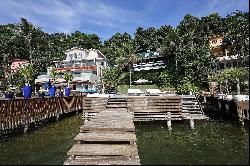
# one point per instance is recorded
(123, 89)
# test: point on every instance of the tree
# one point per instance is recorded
(237, 37)
(213, 24)
(192, 54)
(8, 48)
(53, 74)
(68, 76)
(28, 72)
(146, 39)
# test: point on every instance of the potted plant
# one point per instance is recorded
(41, 92)
(68, 77)
(8, 83)
(9, 93)
(19, 82)
(28, 72)
(53, 74)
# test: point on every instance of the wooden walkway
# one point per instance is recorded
(107, 139)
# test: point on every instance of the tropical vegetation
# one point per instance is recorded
(186, 47)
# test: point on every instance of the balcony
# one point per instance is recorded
(149, 66)
(80, 68)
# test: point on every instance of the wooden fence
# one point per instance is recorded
(19, 112)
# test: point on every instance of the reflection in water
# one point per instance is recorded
(47, 145)
(211, 142)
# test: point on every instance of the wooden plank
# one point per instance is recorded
(157, 110)
(105, 136)
(103, 150)
(103, 162)
(107, 128)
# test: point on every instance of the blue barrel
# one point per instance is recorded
(27, 91)
(67, 91)
(52, 91)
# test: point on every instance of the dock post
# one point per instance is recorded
(26, 126)
(169, 121)
(205, 99)
(192, 123)
(227, 106)
(169, 125)
(57, 117)
(219, 103)
(240, 114)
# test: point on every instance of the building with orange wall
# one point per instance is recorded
(17, 63)
(223, 57)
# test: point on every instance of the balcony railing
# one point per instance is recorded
(149, 66)
(76, 68)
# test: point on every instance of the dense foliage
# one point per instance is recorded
(186, 48)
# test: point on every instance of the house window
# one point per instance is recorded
(70, 56)
(221, 65)
(79, 56)
(214, 41)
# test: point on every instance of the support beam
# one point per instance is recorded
(205, 99)
(169, 125)
(192, 124)
(169, 121)
(57, 117)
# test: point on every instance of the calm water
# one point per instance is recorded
(211, 142)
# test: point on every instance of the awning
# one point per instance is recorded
(86, 78)
(41, 80)
(60, 80)
(44, 80)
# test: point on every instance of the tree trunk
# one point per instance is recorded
(238, 86)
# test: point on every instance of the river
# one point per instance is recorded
(211, 142)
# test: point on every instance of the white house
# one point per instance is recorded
(86, 65)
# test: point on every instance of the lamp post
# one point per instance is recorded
(130, 77)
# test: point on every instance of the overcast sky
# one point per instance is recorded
(106, 17)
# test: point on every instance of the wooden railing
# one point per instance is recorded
(19, 112)
(77, 68)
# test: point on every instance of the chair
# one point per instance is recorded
(134, 92)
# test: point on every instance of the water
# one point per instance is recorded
(212, 142)
(44, 146)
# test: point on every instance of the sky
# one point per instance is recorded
(107, 17)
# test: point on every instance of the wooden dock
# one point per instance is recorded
(22, 112)
(149, 108)
(107, 139)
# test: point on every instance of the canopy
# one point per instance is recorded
(44, 80)
(41, 80)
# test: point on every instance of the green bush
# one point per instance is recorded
(188, 87)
